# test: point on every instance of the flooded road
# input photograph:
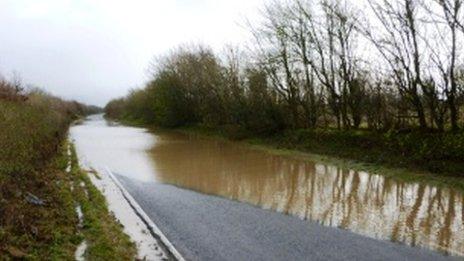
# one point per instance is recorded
(370, 205)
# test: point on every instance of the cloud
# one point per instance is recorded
(97, 50)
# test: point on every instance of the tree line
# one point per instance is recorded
(377, 65)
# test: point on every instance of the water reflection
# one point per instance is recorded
(102, 144)
(373, 205)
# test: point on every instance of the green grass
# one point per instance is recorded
(51, 231)
(33, 160)
(359, 159)
(436, 163)
(343, 151)
(104, 234)
(29, 136)
(39, 232)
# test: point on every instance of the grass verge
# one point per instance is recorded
(50, 231)
(374, 158)
(103, 233)
(395, 167)
(34, 231)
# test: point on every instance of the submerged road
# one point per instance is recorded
(204, 227)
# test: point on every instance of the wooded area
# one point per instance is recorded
(397, 65)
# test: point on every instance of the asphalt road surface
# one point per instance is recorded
(204, 227)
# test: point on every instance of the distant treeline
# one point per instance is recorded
(394, 65)
(32, 127)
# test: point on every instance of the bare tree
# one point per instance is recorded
(331, 55)
(311, 98)
(398, 44)
(234, 89)
(273, 40)
(451, 16)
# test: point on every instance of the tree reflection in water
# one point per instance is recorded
(372, 205)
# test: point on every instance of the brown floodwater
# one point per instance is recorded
(373, 205)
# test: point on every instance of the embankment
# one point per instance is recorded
(40, 191)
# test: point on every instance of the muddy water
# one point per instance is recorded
(373, 205)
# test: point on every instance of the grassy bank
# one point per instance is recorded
(32, 231)
(38, 197)
(433, 158)
(360, 151)
(103, 234)
(51, 230)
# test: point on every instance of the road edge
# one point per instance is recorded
(141, 213)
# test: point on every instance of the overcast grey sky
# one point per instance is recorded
(95, 50)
